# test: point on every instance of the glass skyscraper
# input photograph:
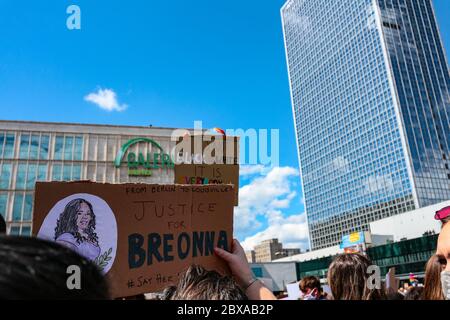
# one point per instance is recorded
(371, 101)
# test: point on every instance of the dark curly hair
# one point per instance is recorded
(67, 222)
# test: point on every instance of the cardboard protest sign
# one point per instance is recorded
(141, 236)
(326, 289)
(208, 174)
(392, 283)
(293, 290)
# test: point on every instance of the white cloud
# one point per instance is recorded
(262, 190)
(106, 99)
(285, 202)
(250, 170)
(291, 231)
(263, 198)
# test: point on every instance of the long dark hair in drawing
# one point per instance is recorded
(68, 222)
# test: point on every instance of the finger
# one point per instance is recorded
(223, 254)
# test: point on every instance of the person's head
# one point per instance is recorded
(348, 278)
(414, 293)
(2, 225)
(310, 288)
(443, 250)
(433, 286)
(199, 284)
(32, 268)
(77, 219)
(443, 245)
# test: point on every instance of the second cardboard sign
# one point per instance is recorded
(198, 174)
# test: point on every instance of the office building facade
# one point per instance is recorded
(370, 92)
(32, 151)
(270, 250)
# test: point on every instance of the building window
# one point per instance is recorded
(24, 146)
(8, 149)
(22, 207)
(76, 172)
(3, 204)
(17, 207)
(26, 231)
(27, 207)
(68, 148)
(2, 143)
(43, 150)
(59, 146)
(67, 173)
(5, 176)
(27, 175)
(391, 25)
(42, 173)
(21, 176)
(57, 171)
(34, 147)
(31, 177)
(78, 153)
(14, 231)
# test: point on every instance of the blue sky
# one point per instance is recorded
(170, 62)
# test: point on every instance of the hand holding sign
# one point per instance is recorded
(237, 262)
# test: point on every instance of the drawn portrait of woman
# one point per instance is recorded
(75, 229)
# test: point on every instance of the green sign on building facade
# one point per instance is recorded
(140, 164)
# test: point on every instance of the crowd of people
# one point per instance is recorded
(32, 268)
